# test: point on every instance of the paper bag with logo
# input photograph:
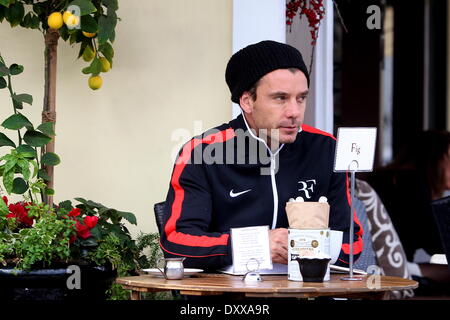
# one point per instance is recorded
(308, 215)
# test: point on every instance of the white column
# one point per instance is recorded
(254, 21)
(319, 111)
(322, 78)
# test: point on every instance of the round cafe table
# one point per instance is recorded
(272, 286)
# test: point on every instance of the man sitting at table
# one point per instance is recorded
(242, 173)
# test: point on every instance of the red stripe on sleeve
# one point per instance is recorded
(307, 128)
(189, 256)
(358, 244)
(183, 159)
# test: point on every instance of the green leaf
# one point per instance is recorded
(49, 192)
(26, 22)
(26, 151)
(35, 168)
(37, 8)
(3, 83)
(83, 46)
(19, 186)
(8, 180)
(112, 37)
(14, 14)
(90, 203)
(111, 4)
(67, 204)
(50, 159)
(75, 36)
(88, 242)
(94, 68)
(25, 166)
(5, 141)
(106, 25)
(5, 3)
(17, 104)
(15, 69)
(35, 22)
(47, 128)
(4, 71)
(107, 50)
(36, 138)
(10, 164)
(64, 32)
(130, 217)
(16, 122)
(7, 157)
(2, 12)
(24, 98)
(85, 7)
(3, 207)
(43, 174)
(89, 24)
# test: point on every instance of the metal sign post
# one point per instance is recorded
(355, 151)
(351, 232)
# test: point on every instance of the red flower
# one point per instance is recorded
(75, 212)
(19, 212)
(90, 222)
(82, 230)
(72, 238)
(5, 199)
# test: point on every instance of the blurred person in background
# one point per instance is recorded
(419, 174)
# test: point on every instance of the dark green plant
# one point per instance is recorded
(19, 168)
(34, 234)
(43, 244)
(89, 23)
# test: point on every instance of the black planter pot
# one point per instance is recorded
(56, 284)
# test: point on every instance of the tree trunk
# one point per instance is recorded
(49, 110)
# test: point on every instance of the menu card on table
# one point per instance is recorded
(250, 248)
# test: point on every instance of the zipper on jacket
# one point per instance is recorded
(274, 190)
(272, 174)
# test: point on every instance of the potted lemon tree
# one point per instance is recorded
(88, 25)
(74, 248)
(69, 250)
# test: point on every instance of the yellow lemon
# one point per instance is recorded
(66, 16)
(89, 35)
(95, 82)
(106, 66)
(88, 54)
(73, 21)
(55, 20)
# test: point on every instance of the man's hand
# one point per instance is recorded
(278, 241)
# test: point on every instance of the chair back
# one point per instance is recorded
(390, 256)
(159, 209)
(441, 212)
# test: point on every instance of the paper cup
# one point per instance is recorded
(335, 245)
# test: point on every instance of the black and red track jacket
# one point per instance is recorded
(217, 184)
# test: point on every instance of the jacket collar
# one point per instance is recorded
(241, 123)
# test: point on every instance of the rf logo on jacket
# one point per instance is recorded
(307, 187)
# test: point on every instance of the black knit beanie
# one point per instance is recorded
(251, 63)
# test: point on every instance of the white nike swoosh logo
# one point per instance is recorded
(234, 195)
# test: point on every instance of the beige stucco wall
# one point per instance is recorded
(116, 143)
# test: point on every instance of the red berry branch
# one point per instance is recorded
(312, 9)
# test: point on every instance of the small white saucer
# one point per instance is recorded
(187, 272)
